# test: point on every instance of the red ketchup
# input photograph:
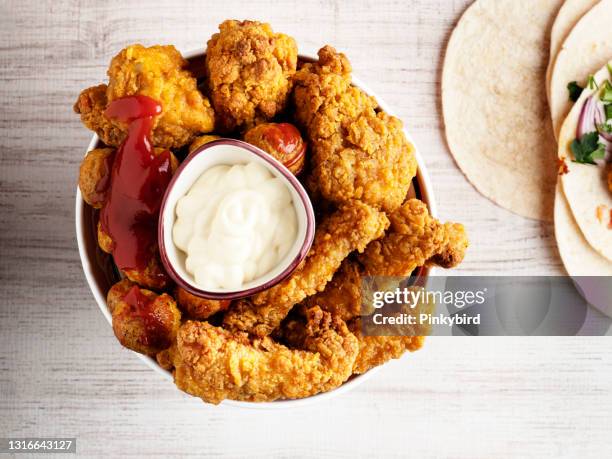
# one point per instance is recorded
(137, 184)
(155, 332)
(285, 137)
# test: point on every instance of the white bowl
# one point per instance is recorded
(99, 277)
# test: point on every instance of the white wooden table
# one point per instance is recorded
(62, 372)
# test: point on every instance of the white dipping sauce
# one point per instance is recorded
(235, 224)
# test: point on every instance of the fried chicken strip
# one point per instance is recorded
(358, 151)
(342, 295)
(414, 238)
(249, 73)
(350, 228)
(158, 72)
(215, 364)
(381, 343)
(376, 350)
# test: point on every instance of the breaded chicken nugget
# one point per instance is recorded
(94, 176)
(142, 320)
(158, 72)
(249, 71)
(350, 228)
(196, 307)
(358, 151)
(215, 364)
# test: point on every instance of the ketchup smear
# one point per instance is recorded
(137, 184)
(155, 333)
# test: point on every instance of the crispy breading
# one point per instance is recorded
(196, 307)
(94, 176)
(358, 151)
(148, 327)
(376, 350)
(249, 71)
(91, 104)
(215, 364)
(158, 72)
(413, 239)
(342, 295)
(350, 228)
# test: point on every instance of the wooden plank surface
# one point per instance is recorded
(62, 372)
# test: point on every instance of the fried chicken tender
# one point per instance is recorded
(414, 238)
(196, 307)
(342, 295)
(157, 72)
(216, 364)
(381, 343)
(249, 71)
(358, 151)
(94, 176)
(350, 228)
(142, 320)
(376, 350)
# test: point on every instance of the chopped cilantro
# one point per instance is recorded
(606, 93)
(605, 127)
(608, 109)
(574, 90)
(587, 149)
(592, 84)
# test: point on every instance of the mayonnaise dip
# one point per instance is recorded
(235, 224)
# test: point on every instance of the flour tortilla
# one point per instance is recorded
(579, 258)
(585, 50)
(495, 110)
(568, 16)
(585, 186)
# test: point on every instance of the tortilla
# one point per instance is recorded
(494, 105)
(585, 185)
(569, 14)
(579, 258)
(585, 50)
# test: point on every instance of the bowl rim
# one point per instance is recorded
(89, 267)
(290, 179)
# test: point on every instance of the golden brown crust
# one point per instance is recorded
(196, 307)
(342, 295)
(413, 239)
(376, 350)
(91, 104)
(215, 364)
(148, 327)
(157, 72)
(358, 151)
(249, 71)
(95, 169)
(350, 228)
(202, 140)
